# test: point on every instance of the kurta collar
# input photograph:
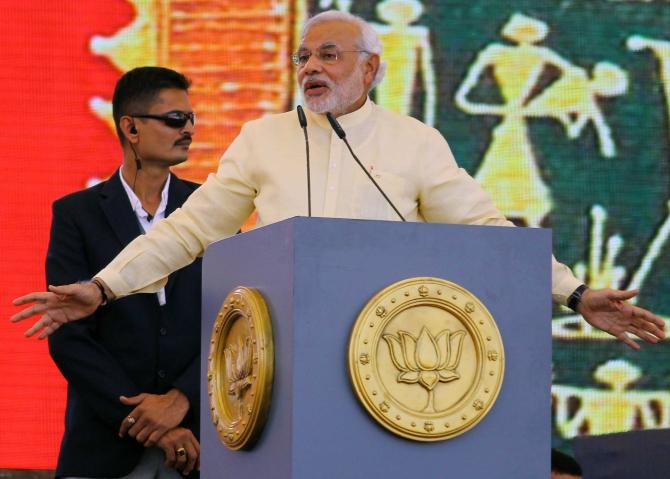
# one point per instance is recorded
(350, 120)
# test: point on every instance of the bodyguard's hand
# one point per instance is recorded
(182, 450)
(608, 310)
(153, 416)
(58, 306)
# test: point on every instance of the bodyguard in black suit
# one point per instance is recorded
(133, 367)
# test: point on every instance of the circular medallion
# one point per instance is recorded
(240, 368)
(426, 359)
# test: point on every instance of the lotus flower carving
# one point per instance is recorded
(426, 359)
(238, 366)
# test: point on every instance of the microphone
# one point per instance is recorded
(302, 119)
(337, 127)
(343, 136)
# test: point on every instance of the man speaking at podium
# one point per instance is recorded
(265, 168)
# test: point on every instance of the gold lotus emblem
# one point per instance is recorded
(241, 368)
(426, 359)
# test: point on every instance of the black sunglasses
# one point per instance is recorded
(173, 119)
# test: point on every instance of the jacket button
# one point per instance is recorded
(163, 331)
(161, 374)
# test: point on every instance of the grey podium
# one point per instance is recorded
(316, 275)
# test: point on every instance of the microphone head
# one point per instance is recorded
(336, 126)
(301, 117)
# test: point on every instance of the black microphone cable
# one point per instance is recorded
(343, 136)
(138, 165)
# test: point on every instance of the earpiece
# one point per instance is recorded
(133, 130)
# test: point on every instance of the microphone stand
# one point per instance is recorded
(303, 124)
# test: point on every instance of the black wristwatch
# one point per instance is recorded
(576, 297)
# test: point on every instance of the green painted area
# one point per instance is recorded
(633, 187)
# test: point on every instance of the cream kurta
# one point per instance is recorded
(264, 168)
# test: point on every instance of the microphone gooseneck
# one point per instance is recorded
(339, 131)
(302, 119)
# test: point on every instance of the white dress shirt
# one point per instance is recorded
(264, 168)
(143, 216)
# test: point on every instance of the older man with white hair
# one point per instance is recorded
(338, 62)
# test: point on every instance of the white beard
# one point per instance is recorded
(339, 97)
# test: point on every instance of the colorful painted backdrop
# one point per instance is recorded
(559, 107)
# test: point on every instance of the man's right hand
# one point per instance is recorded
(58, 306)
(153, 415)
(181, 448)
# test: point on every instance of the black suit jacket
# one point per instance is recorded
(130, 346)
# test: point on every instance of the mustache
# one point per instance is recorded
(185, 138)
(316, 78)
